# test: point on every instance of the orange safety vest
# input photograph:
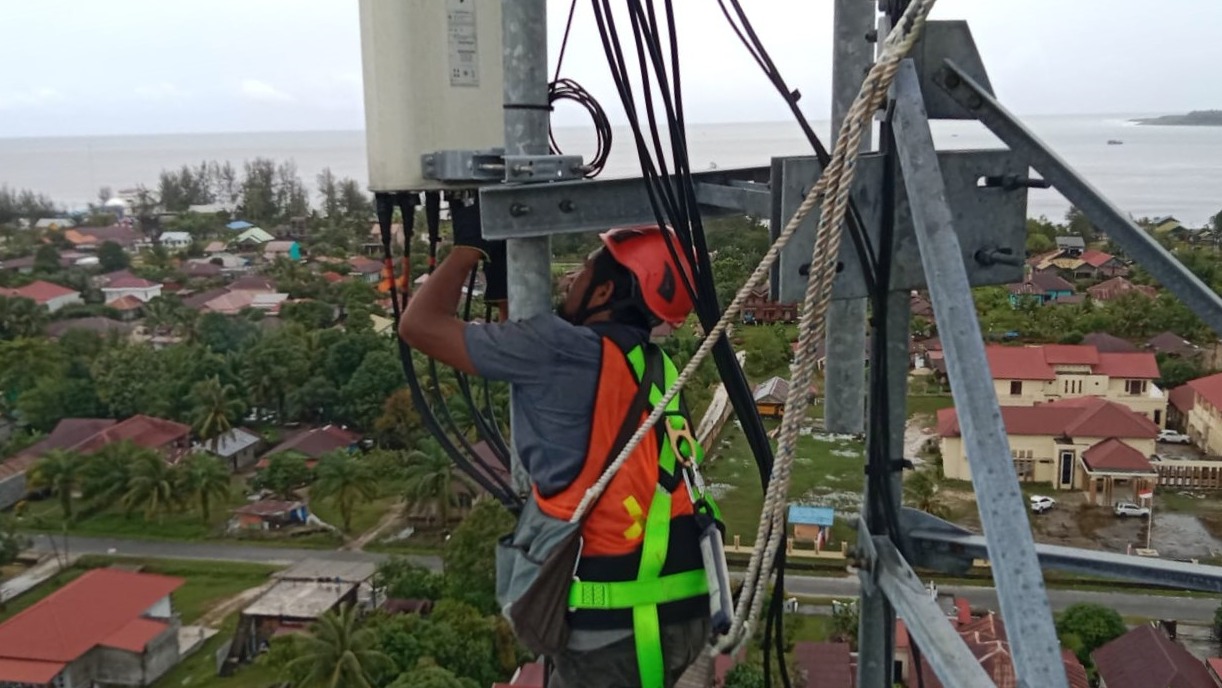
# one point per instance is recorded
(614, 530)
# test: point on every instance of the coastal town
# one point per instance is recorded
(194, 375)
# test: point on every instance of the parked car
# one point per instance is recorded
(1130, 509)
(1040, 503)
(1173, 437)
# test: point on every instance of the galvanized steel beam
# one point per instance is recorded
(1003, 514)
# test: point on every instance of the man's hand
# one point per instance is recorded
(467, 231)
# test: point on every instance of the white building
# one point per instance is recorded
(130, 285)
(175, 240)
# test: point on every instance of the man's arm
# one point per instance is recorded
(430, 323)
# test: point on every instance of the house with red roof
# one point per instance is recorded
(87, 436)
(1084, 443)
(1204, 413)
(117, 285)
(1104, 264)
(986, 638)
(314, 443)
(48, 294)
(1040, 287)
(1146, 657)
(108, 627)
(1119, 286)
(1028, 375)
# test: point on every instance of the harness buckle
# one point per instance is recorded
(677, 436)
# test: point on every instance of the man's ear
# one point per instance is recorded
(601, 294)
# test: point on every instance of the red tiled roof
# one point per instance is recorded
(1215, 665)
(315, 442)
(1109, 344)
(21, 671)
(824, 665)
(365, 266)
(135, 636)
(1078, 417)
(42, 291)
(1182, 398)
(1018, 363)
(68, 433)
(1070, 354)
(127, 302)
(143, 431)
(1146, 657)
(1074, 671)
(1114, 456)
(1172, 343)
(332, 276)
(1096, 259)
(1136, 366)
(1029, 288)
(1208, 388)
(1048, 280)
(252, 283)
(83, 614)
(1110, 289)
(126, 280)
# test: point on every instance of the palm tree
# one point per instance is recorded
(153, 486)
(344, 479)
(105, 476)
(217, 406)
(58, 470)
(204, 479)
(429, 478)
(338, 653)
(922, 491)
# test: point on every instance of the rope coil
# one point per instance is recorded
(831, 190)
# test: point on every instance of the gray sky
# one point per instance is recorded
(88, 67)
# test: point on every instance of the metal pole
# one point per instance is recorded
(1003, 514)
(524, 51)
(852, 54)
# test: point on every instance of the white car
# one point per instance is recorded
(1173, 437)
(1040, 504)
(1130, 509)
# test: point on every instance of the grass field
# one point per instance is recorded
(827, 471)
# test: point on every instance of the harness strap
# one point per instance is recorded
(625, 594)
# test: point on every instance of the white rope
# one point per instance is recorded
(832, 189)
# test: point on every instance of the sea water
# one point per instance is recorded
(1156, 171)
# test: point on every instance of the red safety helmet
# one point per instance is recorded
(643, 250)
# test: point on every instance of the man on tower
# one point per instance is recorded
(638, 607)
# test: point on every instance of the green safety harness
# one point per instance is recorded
(650, 588)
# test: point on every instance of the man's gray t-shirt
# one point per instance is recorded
(553, 367)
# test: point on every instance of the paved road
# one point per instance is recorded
(214, 551)
(1185, 609)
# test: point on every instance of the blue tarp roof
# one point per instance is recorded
(237, 225)
(811, 515)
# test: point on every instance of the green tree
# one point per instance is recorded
(922, 490)
(59, 471)
(364, 394)
(223, 334)
(344, 480)
(1175, 371)
(745, 675)
(404, 579)
(204, 480)
(112, 257)
(430, 480)
(469, 556)
(11, 542)
(55, 398)
(429, 677)
(20, 317)
(315, 401)
(47, 259)
(106, 475)
(1092, 624)
(846, 617)
(130, 379)
(216, 407)
(338, 653)
(312, 315)
(153, 486)
(285, 473)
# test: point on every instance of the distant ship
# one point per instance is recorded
(1115, 142)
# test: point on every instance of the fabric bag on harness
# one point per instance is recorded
(535, 564)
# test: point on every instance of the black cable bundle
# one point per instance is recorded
(672, 197)
(385, 204)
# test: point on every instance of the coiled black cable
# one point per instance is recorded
(569, 90)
